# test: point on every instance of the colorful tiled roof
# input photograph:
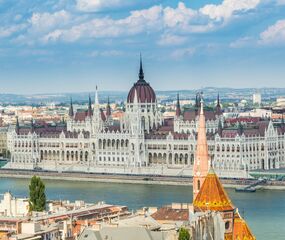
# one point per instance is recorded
(212, 195)
(241, 229)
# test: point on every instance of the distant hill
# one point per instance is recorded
(210, 93)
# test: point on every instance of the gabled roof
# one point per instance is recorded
(212, 195)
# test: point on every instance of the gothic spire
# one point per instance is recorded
(141, 74)
(89, 107)
(240, 128)
(178, 109)
(197, 104)
(71, 112)
(96, 97)
(218, 100)
(32, 125)
(108, 109)
(218, 106)
(220, 128)
(17, 125)
(201, 163)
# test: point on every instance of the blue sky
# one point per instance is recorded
(74, 45)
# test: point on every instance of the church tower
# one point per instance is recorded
(201, 163)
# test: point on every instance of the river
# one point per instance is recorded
(263, 210)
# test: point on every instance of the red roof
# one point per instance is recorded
(80, 116)
(171, 214)
(144, 91)
(190, 115)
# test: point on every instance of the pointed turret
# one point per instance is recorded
(96, 100)
(71, 112)
(98, 114)
(89, 113)
(141, 74)
(17, 125)
(201, 163)
(240, 128)
(108, 109)
(220, 128)
(218, 106)
(32, 126)
(178, 109)
(197, 103)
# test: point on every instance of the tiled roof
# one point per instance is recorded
(171, 214)
(241, 229)
(212, 195)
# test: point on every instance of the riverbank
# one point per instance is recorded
(130, 179)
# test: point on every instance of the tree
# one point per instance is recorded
(183, 234)
(37, 201)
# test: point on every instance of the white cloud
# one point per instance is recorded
(242, 42)
(169, 39)
(182, 52)
(178, 16)
(107, 53)
(228, 8)
(171, 22)
(9, 30)
(45, 21)
(98, 5)
(138, 22)
(274, 34)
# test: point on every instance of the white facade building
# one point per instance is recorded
(256, 98)
(13, 207)
(145, 143)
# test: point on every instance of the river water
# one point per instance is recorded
(263, 210)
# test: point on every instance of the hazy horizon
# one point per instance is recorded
(127, 90)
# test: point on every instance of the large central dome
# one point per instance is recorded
(144, 91)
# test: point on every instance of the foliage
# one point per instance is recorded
(183, 234)
(37, 201)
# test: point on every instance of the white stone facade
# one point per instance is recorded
(129, 146)
(13, 207)
(142, 142)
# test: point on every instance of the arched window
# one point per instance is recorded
(227, 225)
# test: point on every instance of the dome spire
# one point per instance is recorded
(141, 74)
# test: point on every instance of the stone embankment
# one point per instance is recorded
(129, 179)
